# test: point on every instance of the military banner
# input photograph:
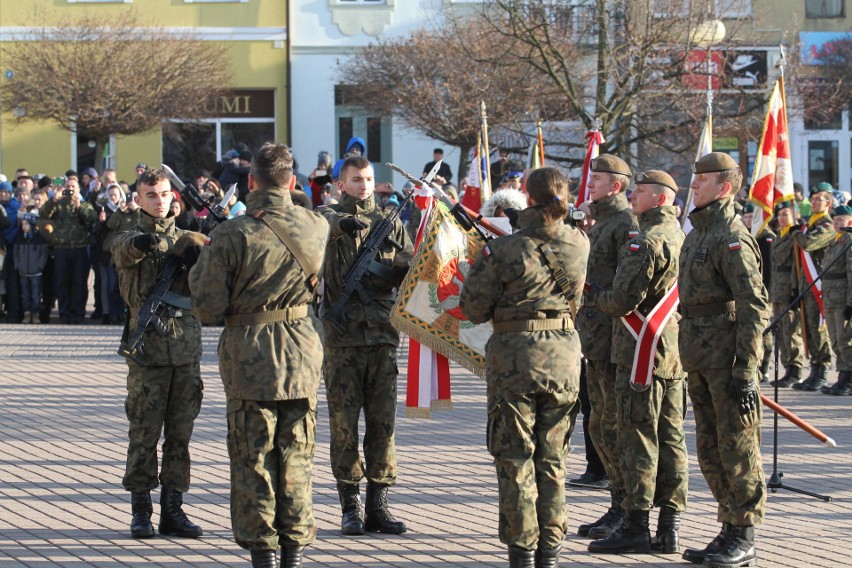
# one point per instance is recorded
(428, 306)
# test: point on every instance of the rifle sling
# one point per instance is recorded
(558, 273)
(290, 244)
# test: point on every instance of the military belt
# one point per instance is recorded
(700, 310)
(564, 324)
(289, 314)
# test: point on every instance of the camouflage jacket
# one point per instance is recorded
(246, 269)
(71, 227)
(368, 324)
(815, 239)
(119, 222)
(511, 281)
(614, 226)
(137, 277)
(784, 282)
(647, 269)
(837, 281)
(720, 263)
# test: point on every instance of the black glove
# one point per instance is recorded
(799, 225)
(146, 242)
(847, 313)
(351, 225)
(190, 255)
(512, 214)
(745, 392)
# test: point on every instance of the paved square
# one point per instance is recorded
(63, 442)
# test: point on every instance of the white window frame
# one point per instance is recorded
(675, 9)
(733, 9)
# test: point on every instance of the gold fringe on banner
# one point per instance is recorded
(445, 404)
(417, 412)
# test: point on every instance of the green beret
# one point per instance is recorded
(607, 163)
(715, 162)
(842, 211)
(783, 205)
(656, 177)
(748, 207)
(822, 186)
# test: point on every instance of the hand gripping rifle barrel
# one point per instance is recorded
(365, 263)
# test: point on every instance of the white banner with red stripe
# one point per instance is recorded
(647, 332)
(810, 271)
(593, 150)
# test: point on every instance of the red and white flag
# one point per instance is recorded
(647, 332)
(476, 182)
(428, 385)
(773, 172)
(593, 150)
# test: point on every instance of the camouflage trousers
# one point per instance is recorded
(603, 421)
(728, 447)
(840, 332)
(819, 345)
(161, 400)
(528, 436)
(359, 378)
(791, 350)
(271, 446)
(651, 443)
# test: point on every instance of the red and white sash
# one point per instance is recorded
(810, 271)
(647, 332)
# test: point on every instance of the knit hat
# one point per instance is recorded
(30, 218)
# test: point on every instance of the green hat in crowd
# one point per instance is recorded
(748, 207)
(715, 162)
(607, 163)
(842, 211)
(656, 177)
(822, 186)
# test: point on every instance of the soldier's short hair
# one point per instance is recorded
(622, 179)
(735, 177)
(152, 177)
(356, 162)
(272, 166)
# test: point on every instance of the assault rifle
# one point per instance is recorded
(365, 262)
(162, 299)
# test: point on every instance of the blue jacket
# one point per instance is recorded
(12, 208)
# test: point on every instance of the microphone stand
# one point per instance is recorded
(774, 483)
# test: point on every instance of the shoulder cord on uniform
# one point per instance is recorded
(290, 244)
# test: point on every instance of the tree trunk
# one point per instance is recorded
(464, 162)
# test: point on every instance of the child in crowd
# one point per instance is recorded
(30, 259)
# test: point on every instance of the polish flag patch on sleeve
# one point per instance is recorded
(734, 245)
(486, 252)
(207, 241)
(634, 247)
(632, 234)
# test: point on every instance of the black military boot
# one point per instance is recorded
(697, 556)
(292, 557)
(263, 559)
(173, 521)
(583, 530)
(611, 520)
(844, 384)
(738, 550)
(632, 536)
(352, 522)
(140, 524)
(792, 375)
(817, 378)
(521, 558)
(547, 557)
(379, 519)
(666, 539)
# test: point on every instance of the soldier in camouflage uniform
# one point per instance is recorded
(837, 299)
(651, 442)
(614, 226)
(164, 395)
(815, 238)
(270, 356)
(73, 220)
(724, 307)
(360, 369)
(782, 291)
(532, 364)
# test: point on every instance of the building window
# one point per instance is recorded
(356, 16)
(824, 9)
(822, 162)
(215, 1)
(100, 1)
(670, 8)
(345, 131)
(345, 2)
(733, 9)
